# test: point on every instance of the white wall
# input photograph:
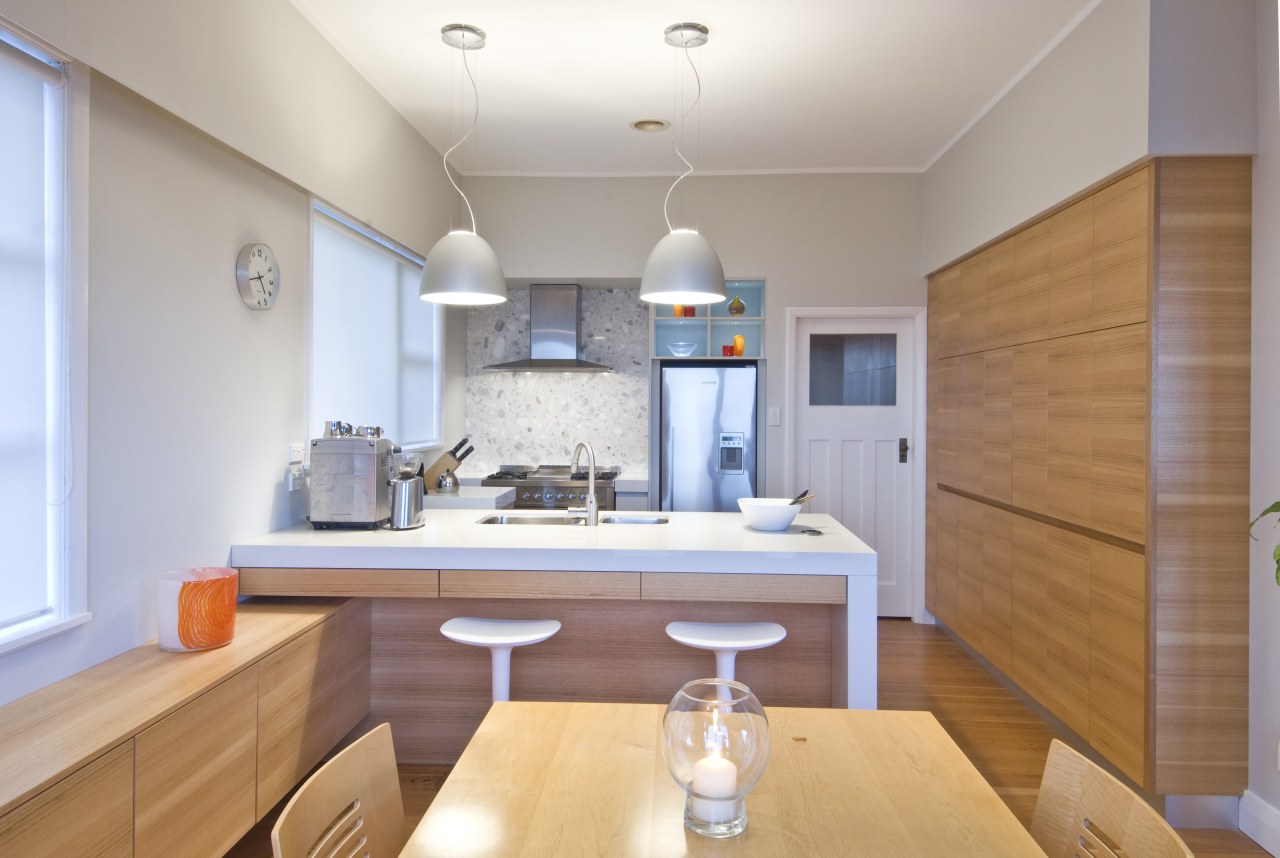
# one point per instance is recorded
(1260, 809)
(193, 398)
(818, 240)
(257, 76)
(1076, 117)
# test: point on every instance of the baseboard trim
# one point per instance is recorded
(1261, 821)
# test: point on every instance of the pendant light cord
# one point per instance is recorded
(675, 143)
(475, 97)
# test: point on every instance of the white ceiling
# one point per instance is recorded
(807, 86)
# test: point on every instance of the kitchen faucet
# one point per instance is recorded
(592, 509)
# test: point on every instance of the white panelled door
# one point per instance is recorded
(854, 416)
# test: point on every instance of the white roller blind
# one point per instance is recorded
(375, 346)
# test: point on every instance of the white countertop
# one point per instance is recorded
(470, 497)
(688, 542)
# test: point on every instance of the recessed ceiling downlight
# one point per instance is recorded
(650, 125)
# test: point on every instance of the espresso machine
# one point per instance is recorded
(350, 475)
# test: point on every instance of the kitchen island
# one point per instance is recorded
(614, 587)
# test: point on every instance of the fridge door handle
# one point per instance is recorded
(902, 451)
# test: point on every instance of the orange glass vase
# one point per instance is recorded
(196, 608)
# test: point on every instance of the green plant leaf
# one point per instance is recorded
(1276, 556)
(1274, 508)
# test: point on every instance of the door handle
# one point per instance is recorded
(902, 451)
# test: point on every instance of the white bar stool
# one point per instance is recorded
(499, 636)
(725, 639)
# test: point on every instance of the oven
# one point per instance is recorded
(555, 486)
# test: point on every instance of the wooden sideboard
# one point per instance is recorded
(153, 753)
(1088, 462)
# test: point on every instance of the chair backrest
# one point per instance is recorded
(1084, 811)
(350, 806)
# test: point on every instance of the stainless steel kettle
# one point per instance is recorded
(448, 482)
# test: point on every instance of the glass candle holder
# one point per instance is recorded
(715, 740)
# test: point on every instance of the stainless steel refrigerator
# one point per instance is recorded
(706, 435)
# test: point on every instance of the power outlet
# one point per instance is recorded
(775, 416)
(295, 452)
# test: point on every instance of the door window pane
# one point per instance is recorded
(853, 369)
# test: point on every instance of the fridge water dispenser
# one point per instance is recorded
(732, 445)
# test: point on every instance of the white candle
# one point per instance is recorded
(714, 777)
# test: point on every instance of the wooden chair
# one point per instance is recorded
(1083, 811)
(350, 803)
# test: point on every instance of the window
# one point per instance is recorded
(41, 505)
(853, 369)
(375, 345)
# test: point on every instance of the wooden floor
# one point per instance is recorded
(920, 668)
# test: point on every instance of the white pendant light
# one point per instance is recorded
(683, 267)
(462, 268)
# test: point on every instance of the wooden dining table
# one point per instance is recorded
(588, 779)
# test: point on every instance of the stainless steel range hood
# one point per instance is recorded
(554, 311)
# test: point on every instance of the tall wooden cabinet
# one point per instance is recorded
(1088, 466)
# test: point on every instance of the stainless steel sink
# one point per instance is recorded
(517, 518)
(633, 519)
(576, 520)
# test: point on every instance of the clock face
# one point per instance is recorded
(257, 276)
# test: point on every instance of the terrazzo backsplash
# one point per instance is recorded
(536, 418)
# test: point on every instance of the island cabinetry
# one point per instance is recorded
(1088, 466)
(405, 583)
(89, 813)
(526, 584)
(195, 774)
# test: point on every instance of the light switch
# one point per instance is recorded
(775, 416)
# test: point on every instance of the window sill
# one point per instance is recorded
(36, 631)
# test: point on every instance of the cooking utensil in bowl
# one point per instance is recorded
(769, 514)
(804, 496)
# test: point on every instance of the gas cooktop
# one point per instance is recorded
(549, 473)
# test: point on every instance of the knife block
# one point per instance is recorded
(446, 462)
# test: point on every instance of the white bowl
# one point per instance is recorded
(768, 513)
(682, 349)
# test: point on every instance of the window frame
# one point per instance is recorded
(67, 573)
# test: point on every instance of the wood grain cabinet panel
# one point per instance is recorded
(997, 425)
(1070, 416)
(732, 587)
(89, 814)
(997, 588)
(944, 314)
(946, 547)
(1071, 269)
(969, 413)
(524, 584)
(1001, 296)
(311, 692)
(1117, 657)
(1031, 611)
(1118, 432)
(1120, 251)
(1029, 425)
(1067, 628)
(195, 774)
(969, 573)
(1031, 278)
(972, 323)
(1115, 361)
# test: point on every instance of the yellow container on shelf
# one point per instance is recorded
(739, 344)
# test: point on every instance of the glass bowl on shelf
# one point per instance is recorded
(682, 349)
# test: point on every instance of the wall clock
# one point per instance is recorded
(257, 276)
